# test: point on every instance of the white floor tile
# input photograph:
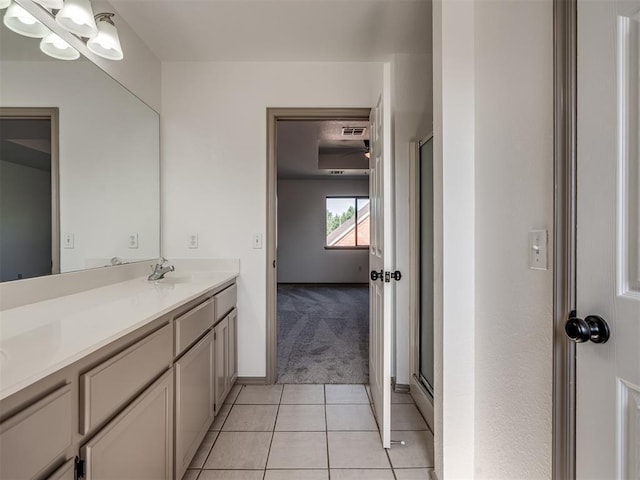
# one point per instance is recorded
(299, 450)
(346, 394)
(301, 418)
(260, 395)
(251, 418)
(240, 450)
(356, 450)
(417, 451)
(350, 417)
(303, 394)
(297, 475)
(361, 474)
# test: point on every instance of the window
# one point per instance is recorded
(347, 222)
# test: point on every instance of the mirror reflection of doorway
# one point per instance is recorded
(29, 238)
(425, 171)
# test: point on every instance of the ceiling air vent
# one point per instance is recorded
(353, 131)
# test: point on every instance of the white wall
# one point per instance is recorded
(214, 162)
(514, 194)
(493, 95)
(109, 151)
(412, 120)
(140, 69)
(454, 237)
(302, 257)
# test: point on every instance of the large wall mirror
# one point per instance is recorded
(79, 166)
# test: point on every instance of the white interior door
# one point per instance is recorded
(380, 261)
(608, 247)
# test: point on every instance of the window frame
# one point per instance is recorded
(344, 247)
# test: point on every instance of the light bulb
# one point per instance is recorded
(18, 20)
(56, 47)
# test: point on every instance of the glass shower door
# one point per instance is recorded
(425, 168)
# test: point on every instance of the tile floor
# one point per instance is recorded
(311, 432)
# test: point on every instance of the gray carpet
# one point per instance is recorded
(323, 334)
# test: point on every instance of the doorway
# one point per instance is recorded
(317, 244)
(29, 233)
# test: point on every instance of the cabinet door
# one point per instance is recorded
(65, 472)
(233, 347)
(194, 401)
(221, 376)
(138, 443)
(34, 438)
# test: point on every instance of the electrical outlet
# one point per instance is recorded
(193, 240)
(68, 240)
(257, 240)
(133, 240)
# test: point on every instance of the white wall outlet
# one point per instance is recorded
(538, 250)
(192, 241)
(68, 240)
(257, 240)
(133, 240)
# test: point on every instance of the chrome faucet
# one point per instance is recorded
(160, 270)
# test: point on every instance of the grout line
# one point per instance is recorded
(326, 429)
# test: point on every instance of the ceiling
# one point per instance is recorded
(301, 143)
(279, 30)
(26, 142)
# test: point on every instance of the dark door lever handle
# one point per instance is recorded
(592, 328)
(377, 275)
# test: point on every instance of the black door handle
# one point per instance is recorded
(377, 275)
(592, 328)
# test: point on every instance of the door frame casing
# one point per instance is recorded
(51, 114)
(273, 116)
(564, 241)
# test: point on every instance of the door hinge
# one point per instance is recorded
(395, 275)
(78, 468)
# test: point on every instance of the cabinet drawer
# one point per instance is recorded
(110, 385)
(225, 301)
(32, 439)
(192, 324)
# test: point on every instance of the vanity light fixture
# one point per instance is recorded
(20, 21)
(107, 42)
(56, 47)
(76, 16)
(50, 4)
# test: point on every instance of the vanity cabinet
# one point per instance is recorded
(65, 472)
(194, 400)
(138, 443)
(136, 408)
(226, 372)
(221, 367)
(36, 437)
(110, 385)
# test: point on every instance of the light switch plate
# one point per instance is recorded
(133, 240)
(538, 240)
(257, 240)
(68, 240)
(192, 241)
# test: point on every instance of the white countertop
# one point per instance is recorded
(41, 338)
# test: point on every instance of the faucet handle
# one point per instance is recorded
(162, 261)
